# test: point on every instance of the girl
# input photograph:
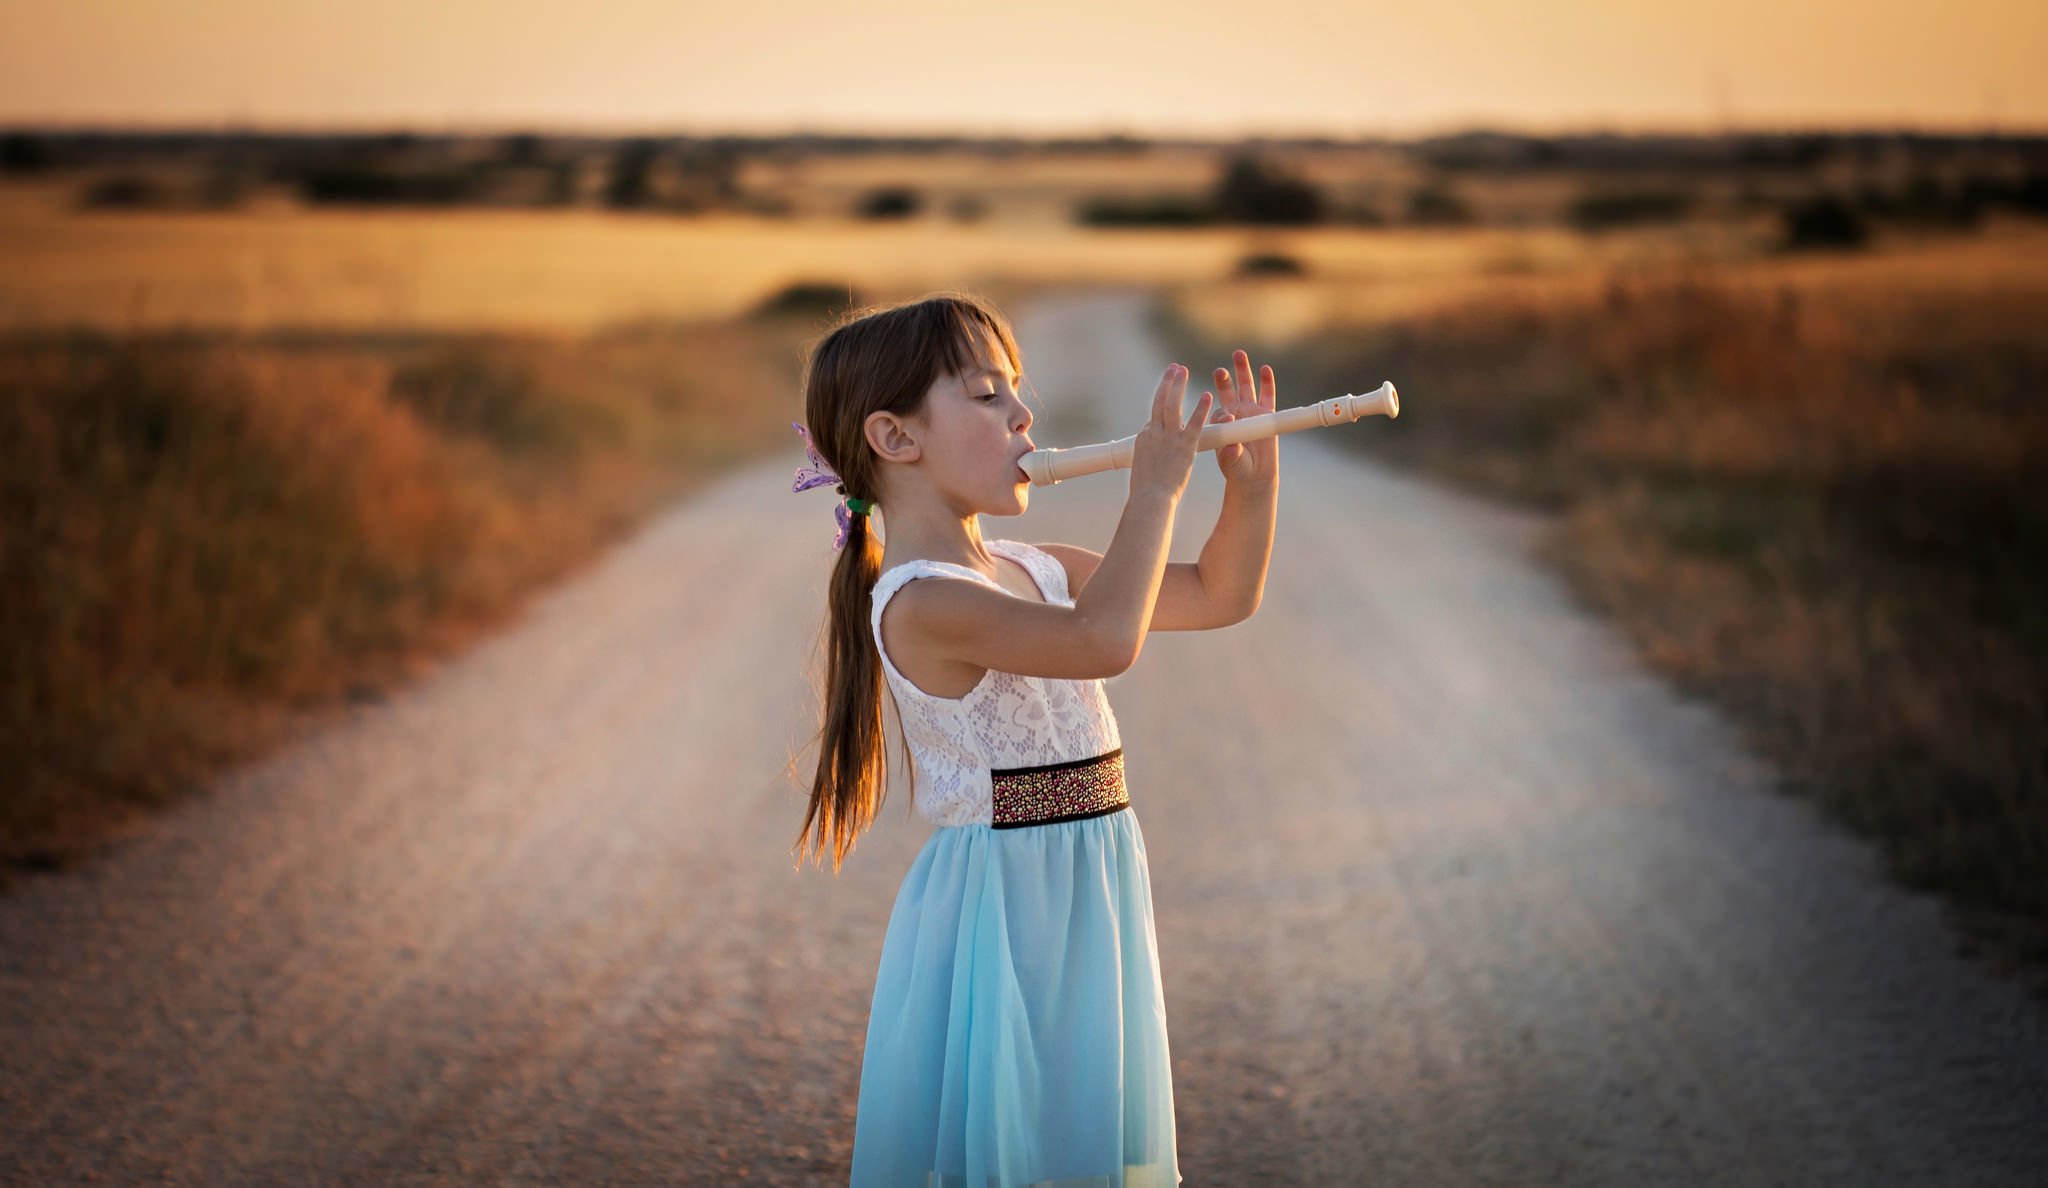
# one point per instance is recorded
(1017, 1033)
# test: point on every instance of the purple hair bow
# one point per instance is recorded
(817, 474)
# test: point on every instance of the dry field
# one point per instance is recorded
(1417, 273)
(1813, 490)
(215, 542)
(285, 267)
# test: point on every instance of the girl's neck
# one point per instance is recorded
(961, 546)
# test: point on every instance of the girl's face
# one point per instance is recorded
(976, 427)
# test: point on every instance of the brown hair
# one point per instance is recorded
(873, 360)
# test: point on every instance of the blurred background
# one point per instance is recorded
(329, 333)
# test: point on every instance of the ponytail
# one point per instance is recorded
(852, 776)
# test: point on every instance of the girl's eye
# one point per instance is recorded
(986, 396)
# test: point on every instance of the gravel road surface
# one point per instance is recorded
(1477, 901)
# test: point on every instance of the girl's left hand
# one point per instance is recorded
(1252, 461)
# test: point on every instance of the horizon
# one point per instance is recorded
(1145, 69)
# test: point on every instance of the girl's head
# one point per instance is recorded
(915, 406)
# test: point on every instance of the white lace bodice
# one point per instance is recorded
(1008, 720)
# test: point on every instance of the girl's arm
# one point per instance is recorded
(1225, 586)
(1103, 632)
(1222, 588)
(1234, 560)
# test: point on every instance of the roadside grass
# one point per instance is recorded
(214, 541)
(1823, 507)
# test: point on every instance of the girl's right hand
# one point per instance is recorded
(1165, 450)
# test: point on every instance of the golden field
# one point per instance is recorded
(566, 272)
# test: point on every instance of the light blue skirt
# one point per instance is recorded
(1018, 1033)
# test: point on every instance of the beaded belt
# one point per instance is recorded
(1067, 791)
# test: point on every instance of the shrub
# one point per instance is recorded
(809, 299)
(632, 180)
(1601, 210)
(2025, 195)
(1925, 201)
(127, 190)
(25, 152)
(1270, 264)
(889, 202)
(1158, 210)
(1251, 191)
(1437, 205)
(1824, 222)
(358, 184)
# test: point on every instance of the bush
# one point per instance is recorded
(1924, 201)
(2026, 195)
(25, 152)
(889, 202)
(1601, 210)
(631, 184)
(127, 191)
(219, 189)
(1270, 264)
(372, 185)
(1158, 210)
(1437, 205)
(1251, 191)
(2030, 195)
(1825, 222)
(809, 299)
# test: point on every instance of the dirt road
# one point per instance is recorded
(1478, 902)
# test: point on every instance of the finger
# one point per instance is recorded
(1269, 392)
(1160, 397)
(1244, 375)
(1201, 418)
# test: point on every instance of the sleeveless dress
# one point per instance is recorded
(1017, 1034)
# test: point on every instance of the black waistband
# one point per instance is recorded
(1049, 793)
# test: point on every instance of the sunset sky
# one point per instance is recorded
(1147, 67)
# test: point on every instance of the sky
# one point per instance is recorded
(1048, 67)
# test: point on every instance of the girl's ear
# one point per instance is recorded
(891, 438)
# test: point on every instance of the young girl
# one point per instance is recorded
(1017, 1033)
